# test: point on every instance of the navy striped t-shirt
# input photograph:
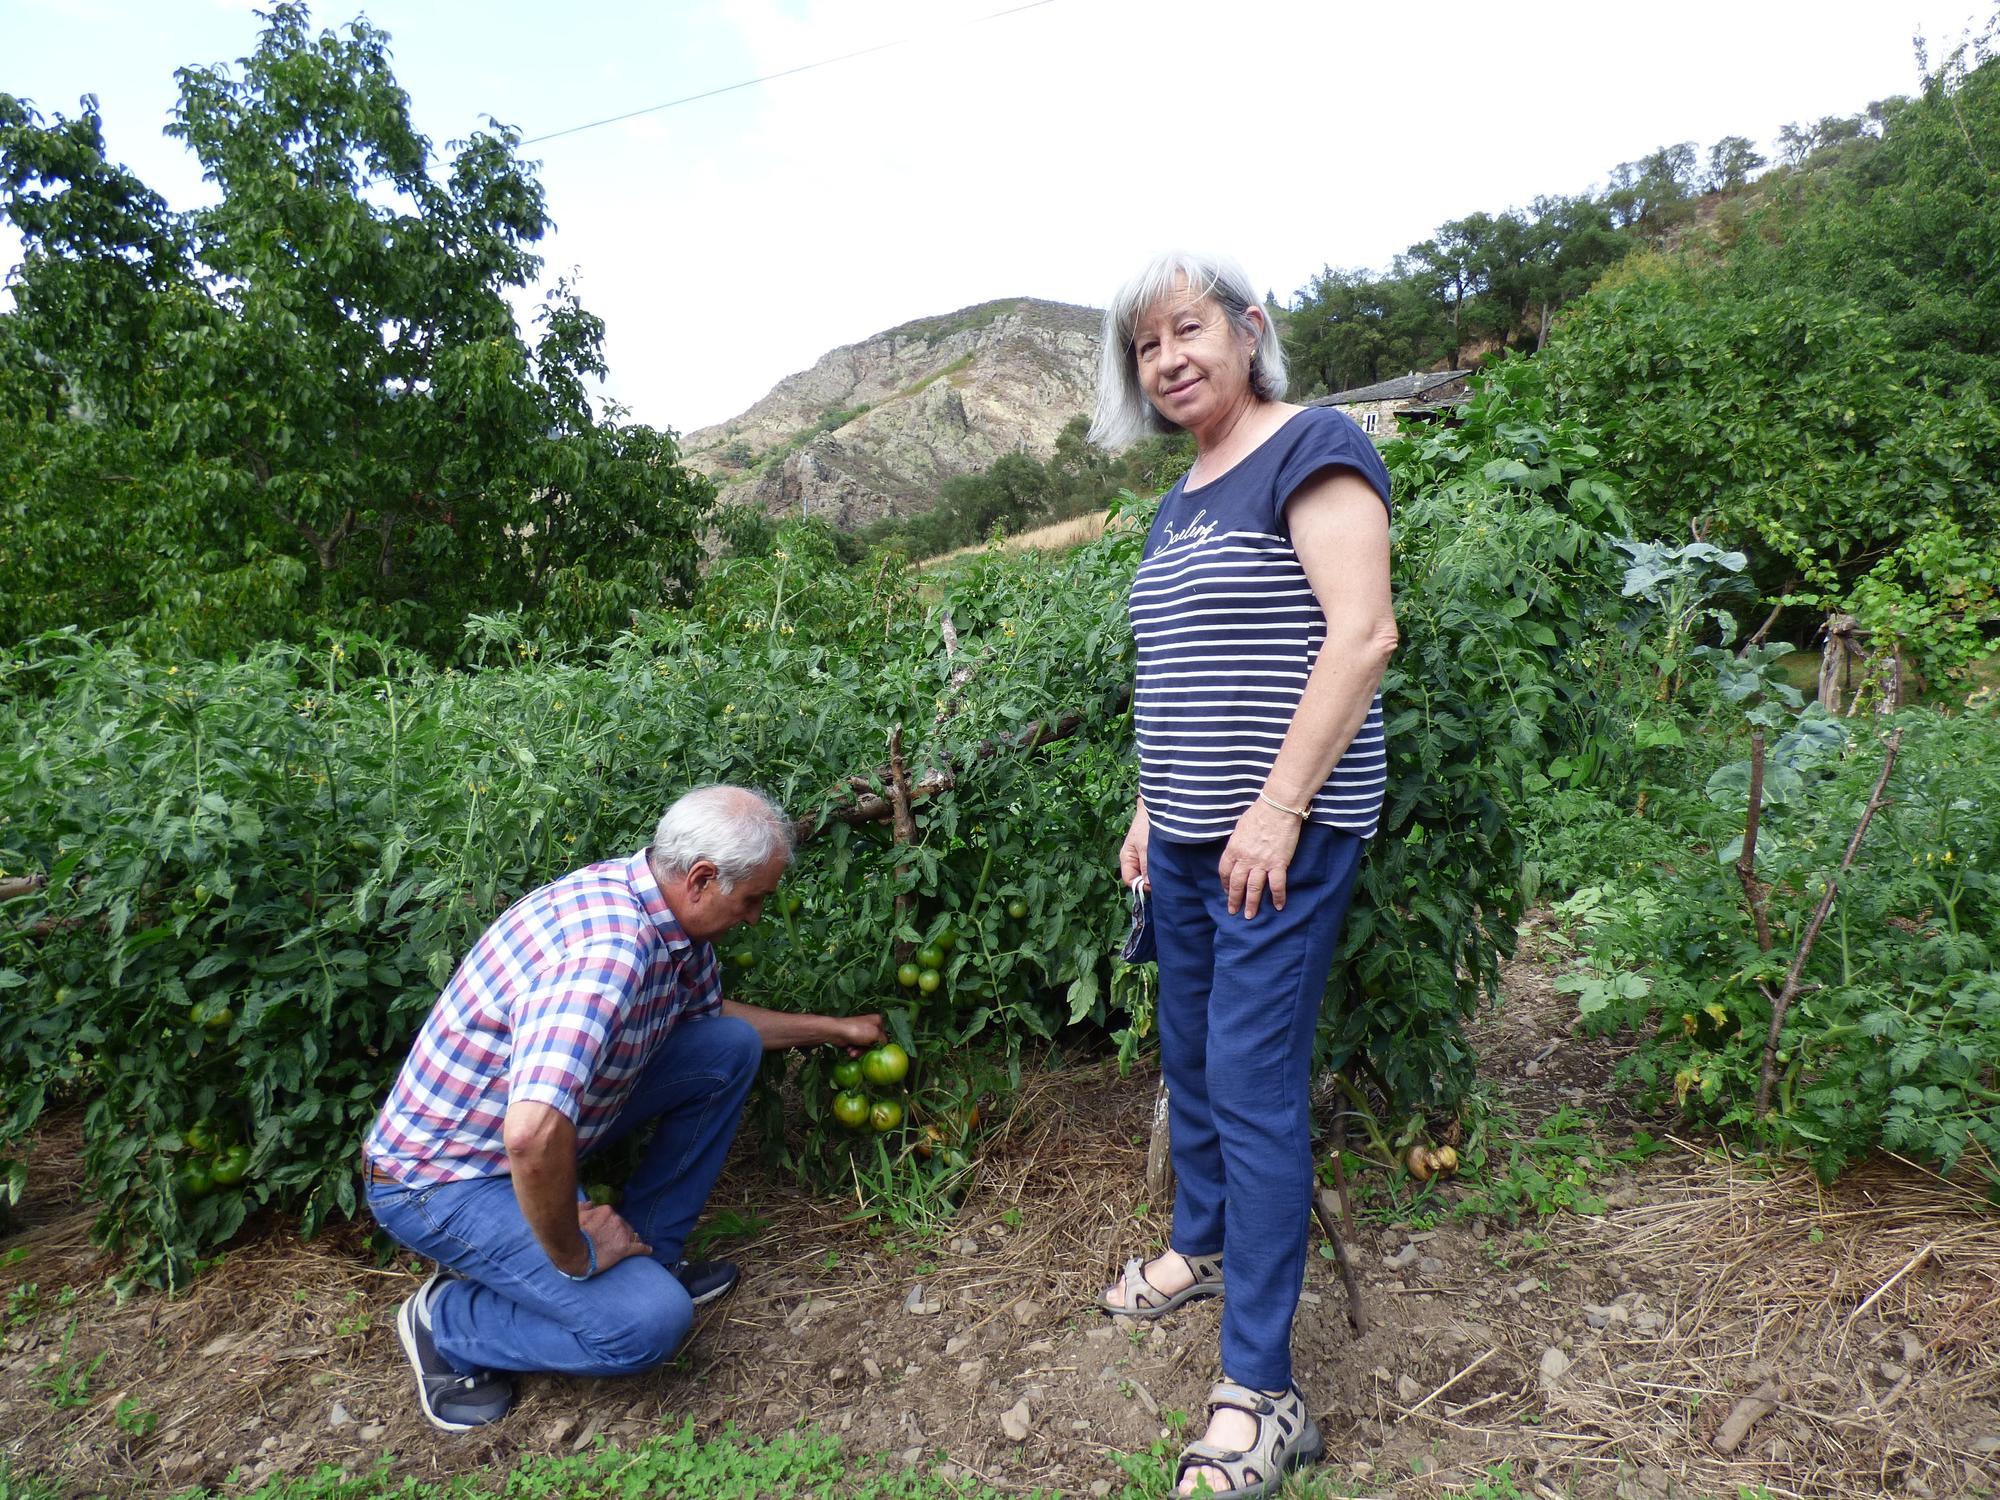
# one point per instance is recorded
(1228, 629)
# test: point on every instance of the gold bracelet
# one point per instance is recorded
(1298, 812)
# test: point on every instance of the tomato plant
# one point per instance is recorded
(312, 839)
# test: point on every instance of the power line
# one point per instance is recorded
(824, 62)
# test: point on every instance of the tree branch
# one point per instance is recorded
(1757, 637)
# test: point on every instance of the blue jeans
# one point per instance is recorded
(514, 1310)
(1239, 1002)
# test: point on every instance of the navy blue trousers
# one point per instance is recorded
(1239, 1001)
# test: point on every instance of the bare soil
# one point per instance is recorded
(1599, 1354)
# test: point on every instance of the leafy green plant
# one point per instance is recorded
(1552, 1170)
(67, 1378)
(134, 1419)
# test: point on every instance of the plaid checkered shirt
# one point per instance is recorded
(563, 1000)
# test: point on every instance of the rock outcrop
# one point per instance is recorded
(874, 428)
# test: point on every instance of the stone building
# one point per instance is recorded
(1385, 407)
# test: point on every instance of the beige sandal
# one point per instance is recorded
(1287, 1437)
(1144, 1300)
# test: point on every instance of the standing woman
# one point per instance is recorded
(1263, 620)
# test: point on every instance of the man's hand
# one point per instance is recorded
(611, 1235)
(785, 1028)
(857, 1033)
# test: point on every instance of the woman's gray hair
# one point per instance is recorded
(1124, 415)
(734, 828)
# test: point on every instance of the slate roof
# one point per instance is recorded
(1402, 388)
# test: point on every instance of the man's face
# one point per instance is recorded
(712, 911)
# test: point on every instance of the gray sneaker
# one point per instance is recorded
(450, 1401)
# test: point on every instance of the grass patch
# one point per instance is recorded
(830, 420)
(957, 367)
(726, 1465)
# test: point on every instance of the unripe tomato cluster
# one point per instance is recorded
(923, 971)
(214, 1159)
(868, 1090)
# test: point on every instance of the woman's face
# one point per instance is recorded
(1192, 365)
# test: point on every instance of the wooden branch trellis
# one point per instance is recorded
(870, 806)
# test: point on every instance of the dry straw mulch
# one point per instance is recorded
(1869, 1309)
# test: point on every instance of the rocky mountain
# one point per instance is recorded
(874, 428)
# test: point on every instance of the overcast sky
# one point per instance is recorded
(1043, 152)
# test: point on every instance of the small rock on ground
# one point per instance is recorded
(1555, 1364)
(1016, 1422)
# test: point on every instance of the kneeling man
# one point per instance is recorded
(590, 1008)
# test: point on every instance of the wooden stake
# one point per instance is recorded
(906, 830)
(1159, 1150)
(1794, 980)
(1746, 863)
(1323, 1210)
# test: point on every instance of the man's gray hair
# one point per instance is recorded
(735, 828)
(1124, 415)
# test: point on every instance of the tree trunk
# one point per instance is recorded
(1836, 663)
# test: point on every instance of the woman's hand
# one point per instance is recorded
(1132, 853)
(1256, 857)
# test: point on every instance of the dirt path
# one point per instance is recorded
(1599, 1353)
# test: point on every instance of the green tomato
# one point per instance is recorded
(906, 975)
(930, 956)
(884, 1115)
(196, 1178)
(1017, 909)
(847, 1074)
(929, 980)
(743, 958)
(851, 1109)
(885, 1066)
(230, 1166)
(200, 1137)
(601, 1193)
(790, 903)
